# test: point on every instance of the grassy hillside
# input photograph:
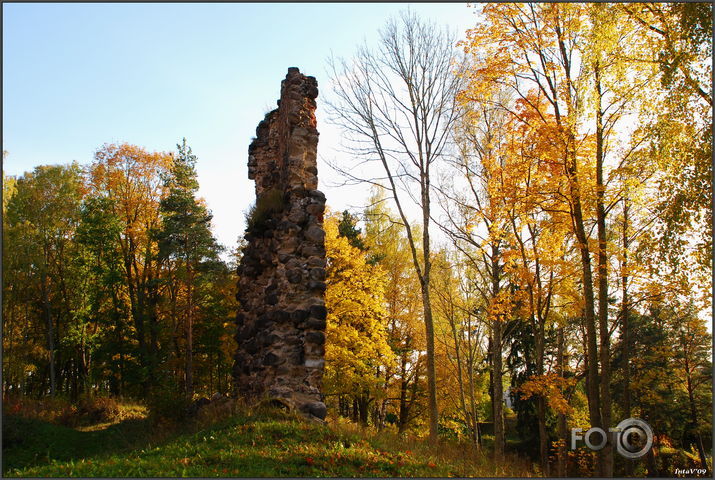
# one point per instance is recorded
(254, 444)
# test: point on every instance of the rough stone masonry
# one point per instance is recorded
(281, 287)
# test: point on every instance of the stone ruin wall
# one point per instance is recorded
(281, 287)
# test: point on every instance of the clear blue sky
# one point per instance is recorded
(76, 76)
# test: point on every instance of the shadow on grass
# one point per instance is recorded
(30, 442)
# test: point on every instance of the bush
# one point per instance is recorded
(89, 409)
(168, 404)
(94, 409)
(267, 204)
(49, 409)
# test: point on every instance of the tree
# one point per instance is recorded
(677, 38)
(477, 225)
(185, 238)
(693, 353)
(347, 229)
(528, 50)
(458, 304)
(98, 332)
(356, 353)
(42, 216)
(387, 246)
(131, 178)
(397, 105)
(682, 37)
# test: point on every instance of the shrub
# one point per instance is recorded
(97, 409)
(269, 203)
(89, 409)
(49, 409)
(168, 404)
(218, 410)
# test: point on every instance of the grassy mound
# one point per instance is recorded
(255, 444)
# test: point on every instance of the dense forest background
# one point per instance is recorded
(558, 275)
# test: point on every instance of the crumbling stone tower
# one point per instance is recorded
(281, 287)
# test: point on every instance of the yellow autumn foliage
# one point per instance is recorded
(356, 349)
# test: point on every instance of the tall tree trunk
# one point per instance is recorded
(476, 435)
(541, 401)
(652, 462)
(136, 307)
(50, 333)
(152, 317)
(625, 324)
(355, 417)
(119, 339)
(429, 325)
(211, 371)
(431, 372)
(460, 382)
(363, 403)
(404, 409)
(625, 315)
(694, 419)
(190, 335)
(592, 376)
(490, 365)
(561, 363)
(543, 435)
(571, 167)
(605, 380)
(498, 392)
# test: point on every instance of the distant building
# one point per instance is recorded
(507, 397)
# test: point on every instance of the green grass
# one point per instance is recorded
(258, 444)
(30, 442)
(267, 204)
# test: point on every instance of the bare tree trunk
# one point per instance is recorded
(571, 168)
(50, 333)
(431, 373)
(363, 403)
(498, 392)
(625, 324)
(652, 462)
(371, 110)
(605, 380)
(543, 435)
(136, 307)
(476, 434)
(189, 341)
(460, 382)
(562, 455)
(404, 409)
(541, 401)
(694, 419)
(592, 381)
(355, 410)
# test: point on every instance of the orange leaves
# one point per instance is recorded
(551, 387)
(502, 306)
(131, 177)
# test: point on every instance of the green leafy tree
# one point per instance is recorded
(99, 258)
(693, 358)
(348, 228)
(41, 219)
(185, 240)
